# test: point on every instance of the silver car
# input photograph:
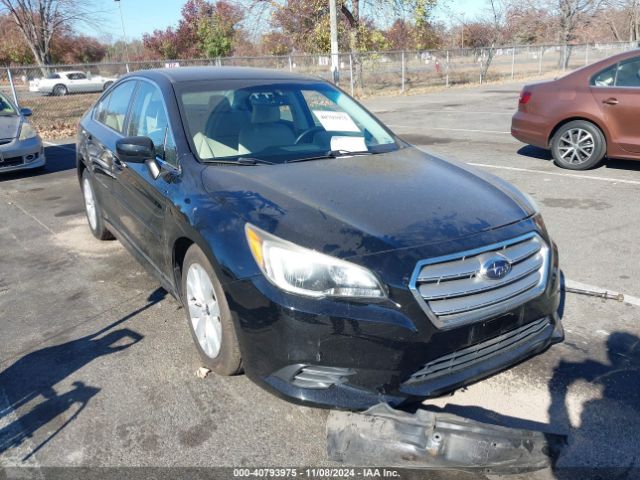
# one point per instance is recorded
(20, 145)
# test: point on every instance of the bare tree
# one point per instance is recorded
(40, 20)
(572, 14)
(631, 11)
(495, 22)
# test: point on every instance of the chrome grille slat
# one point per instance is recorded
(466, 267)
(456, 288)
(469, 302)
(479, 352)
(452, 292)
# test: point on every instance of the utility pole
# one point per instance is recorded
(124, 35)
(333, 16)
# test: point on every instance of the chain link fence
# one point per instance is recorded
(56, 114)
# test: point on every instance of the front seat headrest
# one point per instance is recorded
(265, 113)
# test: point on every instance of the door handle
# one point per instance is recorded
(610, 101)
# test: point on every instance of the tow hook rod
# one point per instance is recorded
(606, 295)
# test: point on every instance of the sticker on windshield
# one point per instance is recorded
(336, 121)
(348, 144)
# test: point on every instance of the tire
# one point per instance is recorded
(59, 91)
(208, 315)
(106, 86)
(592, 146)
(94, 219)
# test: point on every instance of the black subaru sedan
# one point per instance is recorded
(312, 248)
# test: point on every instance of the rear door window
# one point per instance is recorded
(112, 109)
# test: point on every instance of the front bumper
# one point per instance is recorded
(22, 155)
(352, 355)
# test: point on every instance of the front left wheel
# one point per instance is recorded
(208, 315)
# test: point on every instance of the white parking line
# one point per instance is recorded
(465, 112)
(558, 174)
(583, 286)
(451, 129)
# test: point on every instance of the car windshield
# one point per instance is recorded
(277, 122)
(6, 109)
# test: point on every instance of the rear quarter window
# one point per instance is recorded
(605, 78)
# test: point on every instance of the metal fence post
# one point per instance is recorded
(447, 72)
(351, 71)
(402, 60)
(513, 61)
(13, 87)
(586, 54)
(540, 60)
(290, 64)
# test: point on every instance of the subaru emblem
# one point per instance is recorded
(495, 267)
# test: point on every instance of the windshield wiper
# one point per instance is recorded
(240, 161)
(253, 161)
(332, 154)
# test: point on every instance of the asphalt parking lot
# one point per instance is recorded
(97, 365)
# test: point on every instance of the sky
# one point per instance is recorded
(141, 16)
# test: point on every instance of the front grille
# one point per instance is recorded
(11, 162)
(453, 291)
(476, 353)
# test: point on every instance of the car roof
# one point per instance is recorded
(189, 74)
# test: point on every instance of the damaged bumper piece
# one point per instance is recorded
(382, 436)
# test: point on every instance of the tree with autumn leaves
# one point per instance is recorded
(302, 26)
(206, 29)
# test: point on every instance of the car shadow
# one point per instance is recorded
(608, 163)
(59, 158)
(36, 377)
(534, 152)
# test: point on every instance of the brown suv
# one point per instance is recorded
(585, 115)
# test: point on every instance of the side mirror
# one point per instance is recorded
(138, 150)
(26, 112)
(135, 149)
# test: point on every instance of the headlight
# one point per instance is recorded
(27, 131)
(306, 272)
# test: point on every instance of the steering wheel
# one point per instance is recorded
(308, 132)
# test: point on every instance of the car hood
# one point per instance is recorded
(361, 205)
(9, 126)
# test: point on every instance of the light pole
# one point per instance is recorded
(124, 35)
(333, 21)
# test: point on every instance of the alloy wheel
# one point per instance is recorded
(204, 310)
(576, 146)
